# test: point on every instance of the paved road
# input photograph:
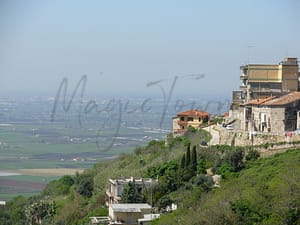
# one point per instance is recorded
(215, 140)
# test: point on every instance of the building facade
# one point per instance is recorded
(128, 214)
(190, 118)
(264, 80)
(268, 99)
(272, 114)
(115, 188)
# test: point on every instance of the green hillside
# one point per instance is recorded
(265, 192)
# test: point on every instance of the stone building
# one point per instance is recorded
(271, 114)
(268, 99)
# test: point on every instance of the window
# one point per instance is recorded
(190, 119)
(182, 118)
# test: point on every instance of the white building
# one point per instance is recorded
(126, 214)
(115, 188)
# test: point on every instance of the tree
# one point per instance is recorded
(59, 187)
(235, 159)
(194, 160)
(245, 212)
(182, 164)
(201, 166)
(131, 194)
(205, 182)
(164, 202)
(13, 212)
(37, 211)
(188, 156)
(252, 155)
(85, 185)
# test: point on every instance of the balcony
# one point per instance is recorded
(182, 122)
(244, 77)
(243, 87)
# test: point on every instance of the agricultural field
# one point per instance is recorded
(42, 139)
(36, 149)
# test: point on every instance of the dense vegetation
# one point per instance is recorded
(253, 190)
(266, 191)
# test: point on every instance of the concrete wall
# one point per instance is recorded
(237, 115)
(264, 73)
(262, 119)
(277, 120)
(175, 125)
(298, 120)
(289, 77)
(242, 139)
(128, 217)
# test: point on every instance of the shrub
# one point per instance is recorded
(205, 182)
(85, 185)
(252, 155)
(164, 202)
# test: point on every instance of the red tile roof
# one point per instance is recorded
(193, 112)
(226, 114)
(286, 99)
(260, 101)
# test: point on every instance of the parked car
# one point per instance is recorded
(203, 143)
(229, 127)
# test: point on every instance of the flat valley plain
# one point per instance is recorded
(35, 150)
(40, 142)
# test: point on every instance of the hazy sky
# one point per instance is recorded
(123, 45)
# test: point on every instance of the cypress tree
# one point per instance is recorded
(131, 194)
(182, 165)
(194, 160)
(188, 156)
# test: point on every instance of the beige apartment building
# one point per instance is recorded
(268, 99)
(264, 80)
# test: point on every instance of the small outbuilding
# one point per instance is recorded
(128, 213)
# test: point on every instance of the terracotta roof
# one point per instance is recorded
(226, 114)
(193, 112)
(286, 99)
(260, 101)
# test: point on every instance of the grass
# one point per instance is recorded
(267, 188)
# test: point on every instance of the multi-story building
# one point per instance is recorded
(190, 118)
(272, 114)
(264, 80)
(268, 99)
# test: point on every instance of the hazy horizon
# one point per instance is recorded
(123, 47)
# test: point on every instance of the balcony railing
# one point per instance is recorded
(244, 77)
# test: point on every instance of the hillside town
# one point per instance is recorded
(265, 109)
